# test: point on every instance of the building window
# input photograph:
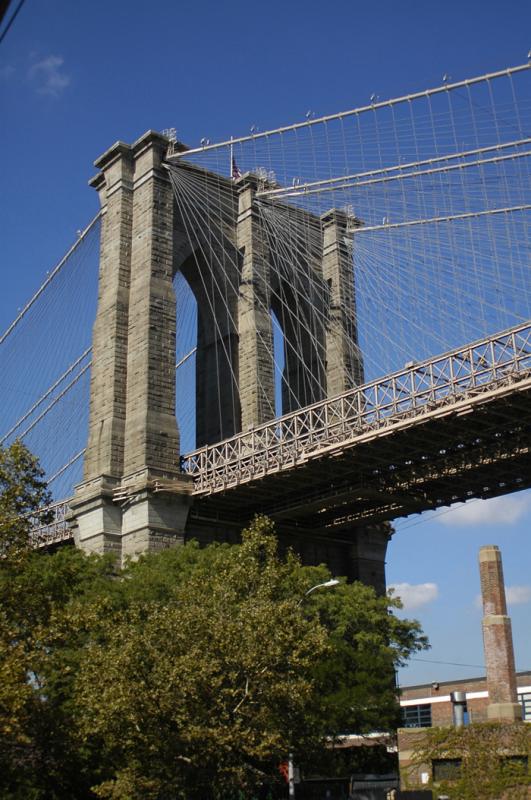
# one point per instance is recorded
(446, 769)
(525, 700)
(514, 766)
(417, 716)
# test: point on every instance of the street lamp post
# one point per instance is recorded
(326, 585)
(291, 770)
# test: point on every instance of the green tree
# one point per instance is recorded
(46, 760)
(368, 642)
(23, 492)
(200, 692)
(38, 756)
(189, 674)
(219, 666)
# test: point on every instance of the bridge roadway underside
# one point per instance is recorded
(479, 451)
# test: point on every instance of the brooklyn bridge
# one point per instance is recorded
(328, 323)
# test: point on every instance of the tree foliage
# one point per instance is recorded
(38, 757)
(23, 492)
(189, 674)
(491, 760)
(356, 678)
(202, 692)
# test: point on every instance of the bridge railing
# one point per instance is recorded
(354, 415)
(56, 530)
(411, 392)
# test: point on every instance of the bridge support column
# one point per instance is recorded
(133, 437)
(151, 520)
(366, 555)
(344, 365)
(105, 448)
(152, 438)
(256, 364)
(97, 518)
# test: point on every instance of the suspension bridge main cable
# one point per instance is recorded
(446, 87)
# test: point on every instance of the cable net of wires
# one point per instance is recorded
(436, 193)
(433, 195)
(45, 357)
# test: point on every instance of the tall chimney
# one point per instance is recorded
(497, 639)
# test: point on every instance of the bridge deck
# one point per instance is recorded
(444, 430)
(447, 429)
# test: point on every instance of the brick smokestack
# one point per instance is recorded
(497, 639)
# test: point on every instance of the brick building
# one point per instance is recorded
(429, 704)
(502, 696)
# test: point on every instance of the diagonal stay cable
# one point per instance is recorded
(50, 277)
(55, 400)
(46, 394)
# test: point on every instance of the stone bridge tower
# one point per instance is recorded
(133, 437)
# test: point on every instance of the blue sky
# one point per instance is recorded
(75, 77)
(433, 561)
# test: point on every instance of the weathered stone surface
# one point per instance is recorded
(344, 365)
(96, 518)
(151, 435)
(256, 368)
(104, 453)
(152, 521)
(367, 555)
(133, 428)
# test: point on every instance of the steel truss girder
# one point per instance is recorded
(454, 427)
(456, 383)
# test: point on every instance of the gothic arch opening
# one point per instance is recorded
(298, 329)
(208, 405)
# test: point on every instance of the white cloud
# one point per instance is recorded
(517, 595)
(498, 510)
(48, 76)
(415, 595)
